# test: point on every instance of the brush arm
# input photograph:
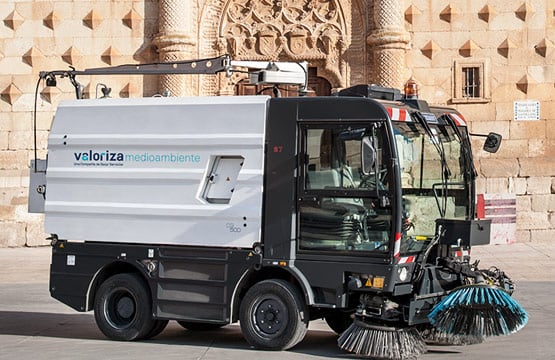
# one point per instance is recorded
(462, 268)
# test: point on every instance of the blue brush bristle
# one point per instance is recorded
(478, 310)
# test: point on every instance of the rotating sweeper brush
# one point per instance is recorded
(434, 336)
(478, 310)
(382, 342)
(452, 302)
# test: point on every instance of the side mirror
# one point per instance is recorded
(368, 152)
(492, 143)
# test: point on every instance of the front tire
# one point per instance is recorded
(339, 320)
(122, 308)
(273, 315)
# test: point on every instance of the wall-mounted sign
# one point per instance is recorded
(526, 110)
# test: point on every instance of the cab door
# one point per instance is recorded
(344, 208)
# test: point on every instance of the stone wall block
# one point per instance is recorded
(485, 127)
(35, 235)
(10, 160)
(532, 220)
(498, 168)
(542, 236)
(528, 129)
(538, 185)
(12, 234)
(481, 112)
(538, 147)
(7, 212)
(523, 203)
(4, 140)
(518, 185)
(551, 204)
(543, 203)
(511, 149)
(480, 185)
(532, 167)
(20, 140)
(497, 185)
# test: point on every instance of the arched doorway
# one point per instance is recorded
(317, 86)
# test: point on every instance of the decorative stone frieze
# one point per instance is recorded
(290, 29)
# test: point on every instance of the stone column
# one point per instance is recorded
(388, 43)
(175, 42)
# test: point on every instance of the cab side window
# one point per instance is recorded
(335, 159)
(339, 205)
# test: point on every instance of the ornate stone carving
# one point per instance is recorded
(312, 30)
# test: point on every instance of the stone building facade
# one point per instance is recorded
(492, 59)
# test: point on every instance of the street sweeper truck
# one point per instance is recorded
(358, 208)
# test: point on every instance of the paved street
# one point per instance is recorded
(34, 326)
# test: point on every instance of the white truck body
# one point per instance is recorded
(185, 171)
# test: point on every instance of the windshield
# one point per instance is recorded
(432, 180)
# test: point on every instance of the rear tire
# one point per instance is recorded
(158, 327)
(122, 308)
(273, 315)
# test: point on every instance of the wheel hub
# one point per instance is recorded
(270, 316)
(125, 307)
(120, 309)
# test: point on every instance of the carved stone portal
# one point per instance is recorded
(294, 30)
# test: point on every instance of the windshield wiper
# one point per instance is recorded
(465, 145)
(469, 168)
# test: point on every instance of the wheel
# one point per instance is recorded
(122, 308)
(194, 326)
(157, 328)
(339, 320)
(273, 315)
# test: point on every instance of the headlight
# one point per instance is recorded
(403, 273)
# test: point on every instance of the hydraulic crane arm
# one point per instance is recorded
(261, 72)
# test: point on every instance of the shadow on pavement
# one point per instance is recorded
(83, 327)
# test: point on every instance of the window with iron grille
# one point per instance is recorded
(471, 82)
